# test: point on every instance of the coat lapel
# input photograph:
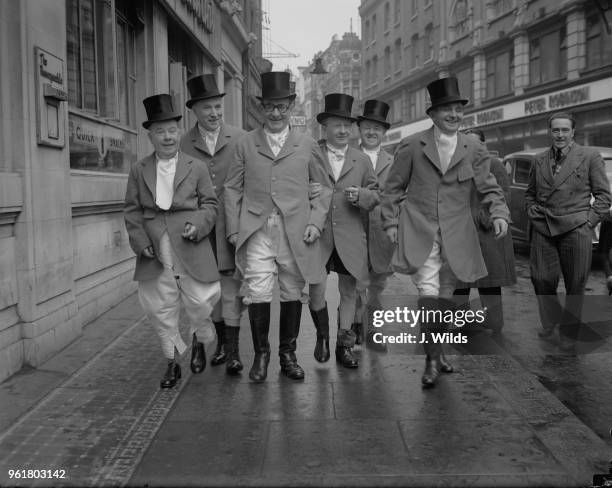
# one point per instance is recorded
(222, 140)
(460, 151)
(572, 161)
(183, 168)
(262, 145)
(349, 162)
(384, 160)
(290, 146)
(544, 167)
(328, 167)
(429, 148)
(149, 173)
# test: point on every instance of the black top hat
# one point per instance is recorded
(275, 84)
(444, 90)
(337, 105)
(202, 87)
(159, 108)
(376, 111)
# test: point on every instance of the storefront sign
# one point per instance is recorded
(102, 137)
(558, 100)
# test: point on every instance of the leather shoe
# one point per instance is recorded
(546, 332)
(444, 365)
(259, 370)
(198, 356)
(344, 355)
(172, 375)
(357, 328)
(290, 367)
(372, 344)
(431, 373)
(321, 352)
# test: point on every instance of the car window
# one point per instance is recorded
(609, 169)
(521, 171)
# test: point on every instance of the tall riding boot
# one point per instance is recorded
(219, 356)
(321, 323)
(259, 317)
(290, 315)
(357, 328)
(430, 324)
(233, 365)
(443, 363)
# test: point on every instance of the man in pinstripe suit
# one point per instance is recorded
(558, 201)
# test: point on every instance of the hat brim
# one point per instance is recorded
(446, 101)
(261, 99)
(147, 123)
(384, 123)
(190, 102)
(326, 115)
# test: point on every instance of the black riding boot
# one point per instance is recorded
(233, 365)
(219, 356)
(259, 316)
(321, 323)
(290, 315)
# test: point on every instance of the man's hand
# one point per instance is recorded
(148, 252)
(315, 190)
(233, 239)
(190, 232)
(392, 234)
(311, 233)
(352, 194)
(501, 228)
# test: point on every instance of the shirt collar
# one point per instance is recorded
(337, 152)
(564, 151)
(438, 134)
(205, 133)
(167, 161)
(277, 135)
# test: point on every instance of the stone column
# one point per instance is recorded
(576, 40)
(521, 61)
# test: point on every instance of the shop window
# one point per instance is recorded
(548, 57)
(500, 74)
(598, 42)
(101, 83)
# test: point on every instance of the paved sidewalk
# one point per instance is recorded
(96, 411)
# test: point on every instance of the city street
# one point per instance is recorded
(517, 413)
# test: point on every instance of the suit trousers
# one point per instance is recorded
(568, 254)
(268, 255)
(162, 296)
(435, 277)
(230, 307)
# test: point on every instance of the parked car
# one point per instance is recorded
(518, 165)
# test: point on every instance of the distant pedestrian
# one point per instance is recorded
(498, 254)
(373, 126)
(344, 242)
(437, 242)
(562, 181)
(170, 209)
(214, 142)
(273, 223)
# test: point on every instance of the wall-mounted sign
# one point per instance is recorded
(50, 93)
(297, 120)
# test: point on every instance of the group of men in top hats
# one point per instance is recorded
(223, 214)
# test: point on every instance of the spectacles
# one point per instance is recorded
(281, 107)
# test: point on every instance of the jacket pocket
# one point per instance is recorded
(254, 210)
(465, 172)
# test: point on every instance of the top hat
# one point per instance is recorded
(376, 111)
(444, 90)
(337, 105)
(159, 108)
(274, 85)
(202, 87)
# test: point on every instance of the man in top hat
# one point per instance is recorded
(343, 243)
(213, 141)
(373, 126)
(170, 209)
(437, 241)
(273, 224)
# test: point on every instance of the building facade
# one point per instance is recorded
(342, 61)
(516, 60)
(74, 73)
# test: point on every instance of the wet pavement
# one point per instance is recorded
(516, 412)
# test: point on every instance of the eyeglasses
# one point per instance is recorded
(281, 107)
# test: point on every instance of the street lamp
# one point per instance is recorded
(318, 70)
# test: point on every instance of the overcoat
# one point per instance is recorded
(193, 144)
(439, 201)
(257, 182)
(498, 254)
(560, 203)
(345, 228)
(380, 248)
(194, 201)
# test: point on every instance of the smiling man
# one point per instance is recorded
(437, 241)
(562, 183)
